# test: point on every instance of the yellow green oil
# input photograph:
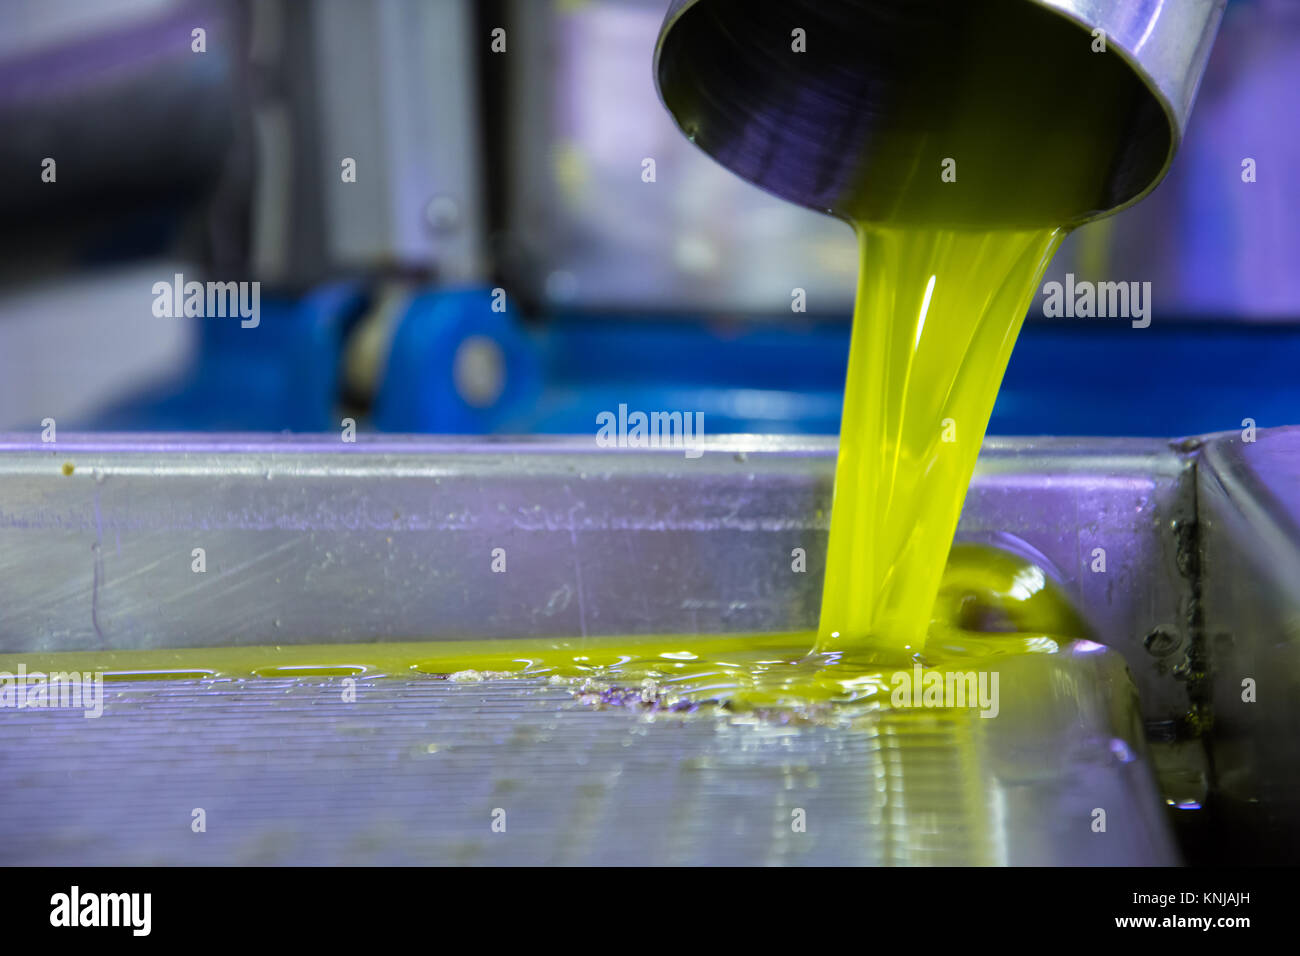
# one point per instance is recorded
(937, 315)
(991, 604)
(760, 671)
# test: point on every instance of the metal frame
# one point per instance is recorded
(314, 540)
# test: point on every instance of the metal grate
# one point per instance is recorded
(288, 773)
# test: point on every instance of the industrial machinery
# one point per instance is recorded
(310, 543)
(236, 525)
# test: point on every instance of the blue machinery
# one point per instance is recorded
(1091, 377)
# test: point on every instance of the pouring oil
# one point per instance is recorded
(1003, 142)
(937, 315)
(1007, 135)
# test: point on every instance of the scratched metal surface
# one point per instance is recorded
(287, 773)
(310, 540)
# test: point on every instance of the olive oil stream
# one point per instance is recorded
(937, 315)
(1006, 136)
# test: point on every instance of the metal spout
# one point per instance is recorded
(883, 88)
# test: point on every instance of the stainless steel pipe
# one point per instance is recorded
(806, 127)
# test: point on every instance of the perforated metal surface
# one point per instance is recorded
(287, 772)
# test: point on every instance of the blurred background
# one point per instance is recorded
(521, 170)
